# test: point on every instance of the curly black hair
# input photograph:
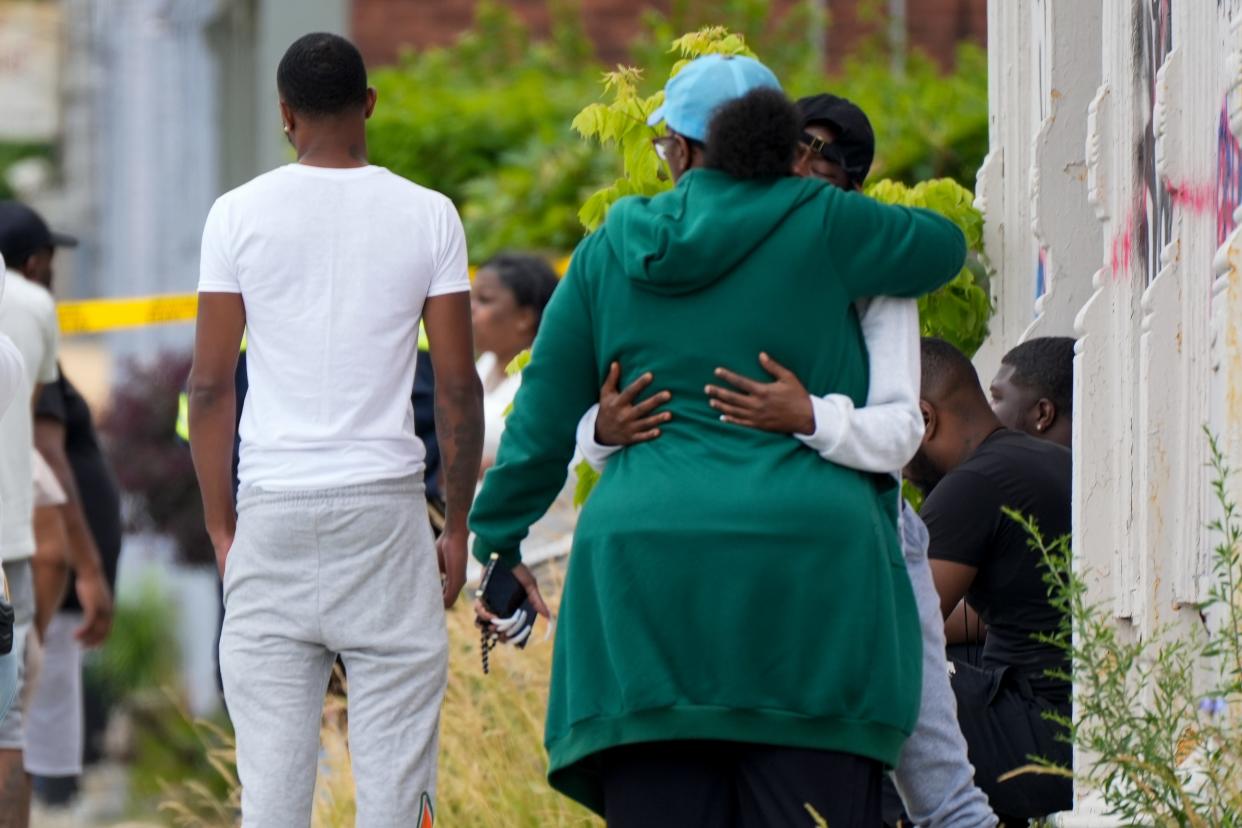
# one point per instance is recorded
(1046, 365)
(530, 279)
(322, 74)
(755, 136)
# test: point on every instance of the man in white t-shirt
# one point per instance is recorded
(328, 265)
(28, 317)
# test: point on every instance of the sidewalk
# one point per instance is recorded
(102, 803)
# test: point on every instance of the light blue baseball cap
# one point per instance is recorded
(692, 97)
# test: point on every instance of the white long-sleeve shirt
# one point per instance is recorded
(881, 436)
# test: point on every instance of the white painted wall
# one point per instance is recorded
(1115, 152)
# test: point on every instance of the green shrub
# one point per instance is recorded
(12, 152)
(487, 120)
(141, 654)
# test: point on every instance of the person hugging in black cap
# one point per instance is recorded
(838, 142)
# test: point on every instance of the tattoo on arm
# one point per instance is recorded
(459, 428)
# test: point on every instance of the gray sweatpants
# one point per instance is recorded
(353, 572)
(933, 776)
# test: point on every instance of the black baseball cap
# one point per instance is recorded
(24, 232)
(854, 143)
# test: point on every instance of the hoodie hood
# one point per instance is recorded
(688, 238)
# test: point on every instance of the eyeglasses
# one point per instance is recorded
(663, 142)
(660, 143)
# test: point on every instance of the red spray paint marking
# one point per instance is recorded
(1198, 199)
(1194, 198)
(1123, 250)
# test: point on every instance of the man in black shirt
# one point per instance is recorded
(973, 467)
(65, 435)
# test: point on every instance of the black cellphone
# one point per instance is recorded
(500, 590)
(7, 619)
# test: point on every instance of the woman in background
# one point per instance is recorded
(507, 300)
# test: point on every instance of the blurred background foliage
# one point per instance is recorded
(487, 120)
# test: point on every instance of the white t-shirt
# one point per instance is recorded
(333, 266)
(28, 318)
(496, 402)
(47, 489)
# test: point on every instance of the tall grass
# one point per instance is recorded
(492, 761)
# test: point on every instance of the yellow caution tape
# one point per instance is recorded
(103, 315)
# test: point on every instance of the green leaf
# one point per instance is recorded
(959, 311)
(518, 363)
(589, 123)
(587, 479)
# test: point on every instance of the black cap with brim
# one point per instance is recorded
(854, 140)
(23, 232)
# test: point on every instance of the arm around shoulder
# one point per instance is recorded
(888, 250)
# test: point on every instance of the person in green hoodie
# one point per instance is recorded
(734, 646)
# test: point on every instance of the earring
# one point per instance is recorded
(1039, 427)
(286, 128)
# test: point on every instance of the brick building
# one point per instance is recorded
(382, 28)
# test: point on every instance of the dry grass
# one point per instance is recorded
(492, 762)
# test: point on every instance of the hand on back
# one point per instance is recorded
(621, 421)
(782, 406)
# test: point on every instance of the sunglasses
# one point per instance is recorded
(825, 150)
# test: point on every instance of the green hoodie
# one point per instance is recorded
(725, 583)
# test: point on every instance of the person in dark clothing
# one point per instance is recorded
(424, 401)
(973, 468)
(62, 411)
(1034, 389)
(56, 726)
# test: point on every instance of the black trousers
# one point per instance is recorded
(737, 785)
(1005, 725)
